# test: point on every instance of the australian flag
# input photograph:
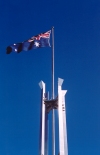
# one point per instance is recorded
(38, 41)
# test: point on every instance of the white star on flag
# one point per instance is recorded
(36, 44)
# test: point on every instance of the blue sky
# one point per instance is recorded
(77, 61)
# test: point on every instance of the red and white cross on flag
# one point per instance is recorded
(42, 35)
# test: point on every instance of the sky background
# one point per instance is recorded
(77, 61)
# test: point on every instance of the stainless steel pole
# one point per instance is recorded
(53, 114)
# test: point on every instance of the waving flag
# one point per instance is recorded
(38, 41)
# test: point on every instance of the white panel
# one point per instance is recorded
(63, 148)
(42, 86)
(64, 123)
(61, 134)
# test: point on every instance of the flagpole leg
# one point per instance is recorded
(53, 132)
(53, 113)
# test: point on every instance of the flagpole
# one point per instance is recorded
(53, 114)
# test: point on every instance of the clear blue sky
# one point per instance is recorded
(77, 61)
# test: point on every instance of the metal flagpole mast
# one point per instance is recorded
(53, 114)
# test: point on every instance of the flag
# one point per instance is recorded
(38, 41)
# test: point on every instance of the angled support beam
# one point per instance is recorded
(63, 148)
(42, 120)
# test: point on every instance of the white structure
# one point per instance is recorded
(46, 107)
(63, 147)
(42, 120)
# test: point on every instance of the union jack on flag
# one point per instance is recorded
(42, 35)
(38, 41)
